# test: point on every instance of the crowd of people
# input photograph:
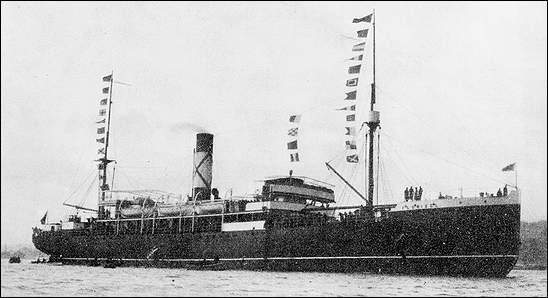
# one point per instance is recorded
(500, 193)
(349, 215)
(412, 195)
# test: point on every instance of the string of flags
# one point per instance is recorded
(356, 58)
(366, 19)
(101, 130)
(352, 82)
(354, 69)
(358, 47)
(349, 108)
(351, 95)
(293, 134)
(363, 33)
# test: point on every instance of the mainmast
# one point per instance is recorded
(373, 123)
(104, 161)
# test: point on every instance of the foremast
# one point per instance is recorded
(103, 160)
(372, 117)
(373, 122)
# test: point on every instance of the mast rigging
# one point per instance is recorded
(105, 161)
(373, 123)
(345, 181)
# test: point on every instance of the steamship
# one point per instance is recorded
(287, 226)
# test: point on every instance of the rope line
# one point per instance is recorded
(81, 184)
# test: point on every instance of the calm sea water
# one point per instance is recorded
(25, 279)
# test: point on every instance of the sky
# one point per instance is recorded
(461, 90)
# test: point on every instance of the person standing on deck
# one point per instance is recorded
(411, 193)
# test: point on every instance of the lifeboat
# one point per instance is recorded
(187, 209)
(210, 207)
(137, 208)
(175, 210)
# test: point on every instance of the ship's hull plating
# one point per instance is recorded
(469, 241)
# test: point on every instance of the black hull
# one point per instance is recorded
(464, 241)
